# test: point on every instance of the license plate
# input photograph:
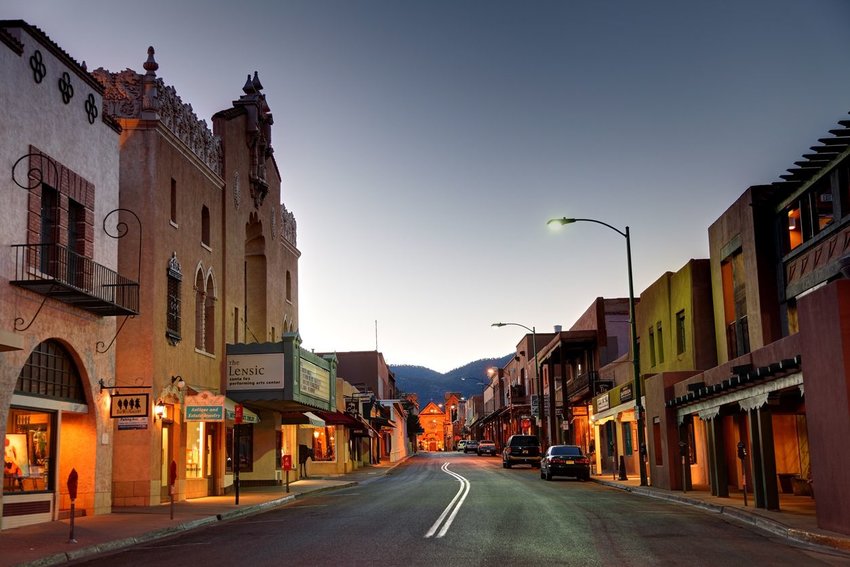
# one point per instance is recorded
(525, 451)
(569, 462)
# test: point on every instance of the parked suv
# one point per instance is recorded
(521, 449)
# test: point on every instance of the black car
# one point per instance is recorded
(565, 460)
(521, 449)
(471, 446)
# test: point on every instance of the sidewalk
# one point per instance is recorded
(48, 543)
(795, 520)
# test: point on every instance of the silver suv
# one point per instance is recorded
(521, 449)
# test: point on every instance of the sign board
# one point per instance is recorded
(603, 403)
(626, 393)
(255, 371)
(130, 423)
(286, 462)
(204, 406)
(238, 414)
(315, 381)
(535, 405)
(129, 405)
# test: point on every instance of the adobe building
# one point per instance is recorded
(62, 288)
(675, 322)
(776, 407)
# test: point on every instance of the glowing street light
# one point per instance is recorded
(635, 359)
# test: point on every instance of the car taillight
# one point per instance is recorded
(582, 460)
(556, 461)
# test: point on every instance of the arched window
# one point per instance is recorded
(50, 372)
(200, 302)
(205, 225)
(209, 316)
(204, 311)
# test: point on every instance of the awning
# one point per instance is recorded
(301, 418)
(611, 413)
(338, 418)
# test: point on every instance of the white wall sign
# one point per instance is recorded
(255, 371)
(315, 381)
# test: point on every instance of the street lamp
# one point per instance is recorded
(537, 379)
(635, 359)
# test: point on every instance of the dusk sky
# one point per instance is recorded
(424, 145)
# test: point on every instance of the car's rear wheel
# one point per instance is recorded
(548, 475)
(506, 464)
(543, 476)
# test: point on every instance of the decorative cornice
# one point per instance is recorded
(289, 228)
(130, 95)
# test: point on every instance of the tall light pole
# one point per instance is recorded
(635, 359)
(537, 379)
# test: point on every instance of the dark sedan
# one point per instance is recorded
(565, 460)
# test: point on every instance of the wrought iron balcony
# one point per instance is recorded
(58, 272)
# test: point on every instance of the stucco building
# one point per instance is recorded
(62, 288)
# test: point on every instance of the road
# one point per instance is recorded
(450, 509)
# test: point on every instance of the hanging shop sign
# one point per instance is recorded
(255, 371)
(129, 405)
(204, 406)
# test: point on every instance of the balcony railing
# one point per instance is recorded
(582, 385)
(58, 272)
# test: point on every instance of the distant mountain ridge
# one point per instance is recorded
(431, 386)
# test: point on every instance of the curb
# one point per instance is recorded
(766, 524)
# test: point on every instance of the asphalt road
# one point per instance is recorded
(441, 509)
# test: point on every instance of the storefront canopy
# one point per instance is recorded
(301, 418)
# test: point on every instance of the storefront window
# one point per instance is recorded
(324, 443)
(195, 449)
(28, 448)
(244, 441)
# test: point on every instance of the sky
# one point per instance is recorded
(424, 145)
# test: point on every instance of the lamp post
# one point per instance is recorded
(635, 359)
(537, 379)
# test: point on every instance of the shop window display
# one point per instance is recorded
(324, 444)
(195, 449)
(27, 451)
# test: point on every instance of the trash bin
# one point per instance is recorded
(786, 482)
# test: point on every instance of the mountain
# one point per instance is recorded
(431, 386)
